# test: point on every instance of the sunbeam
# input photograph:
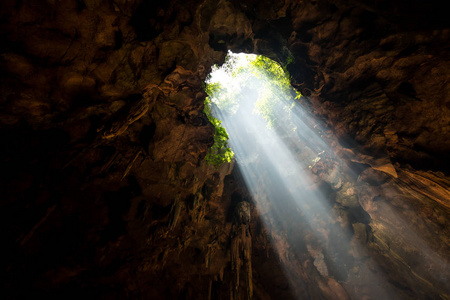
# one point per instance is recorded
(278, 148)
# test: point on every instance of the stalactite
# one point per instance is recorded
(175, 213)
(241, 249)
(130, 165)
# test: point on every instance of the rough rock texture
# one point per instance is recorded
(104, 191)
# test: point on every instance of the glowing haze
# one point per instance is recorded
(278, 145)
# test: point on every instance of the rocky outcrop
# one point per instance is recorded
(105, 193)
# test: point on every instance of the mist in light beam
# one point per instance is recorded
(277, 145)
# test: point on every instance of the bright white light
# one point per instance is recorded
(224, 75)
(276, 163)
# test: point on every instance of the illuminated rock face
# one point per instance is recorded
(104, 190)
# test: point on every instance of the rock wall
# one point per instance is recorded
(105, 193)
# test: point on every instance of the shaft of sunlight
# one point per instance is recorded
(276, 143)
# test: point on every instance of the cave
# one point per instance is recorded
(107, 192)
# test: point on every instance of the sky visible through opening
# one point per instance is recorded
(276, 144)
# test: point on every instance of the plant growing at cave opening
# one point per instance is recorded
(220, 152)
(230, 85)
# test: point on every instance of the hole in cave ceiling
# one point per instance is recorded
(281, 152)
(251, 101)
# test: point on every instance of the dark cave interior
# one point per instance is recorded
(105, 193)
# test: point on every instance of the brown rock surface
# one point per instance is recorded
(104, 190)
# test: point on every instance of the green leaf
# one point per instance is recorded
(273, 95)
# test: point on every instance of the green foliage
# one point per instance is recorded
(277, 91)
(224, 98)
(273, 89)
(289, 60)
(220, 152)
(272, 73)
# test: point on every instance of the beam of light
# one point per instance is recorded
(275, 162)
(276, 144)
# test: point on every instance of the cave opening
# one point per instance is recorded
(286, 163)
(253, 93)
(106, 193)
(260, 121)
(298, 184)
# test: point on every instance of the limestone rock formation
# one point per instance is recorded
(104, 190)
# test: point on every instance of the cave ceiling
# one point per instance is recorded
(105, 192)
